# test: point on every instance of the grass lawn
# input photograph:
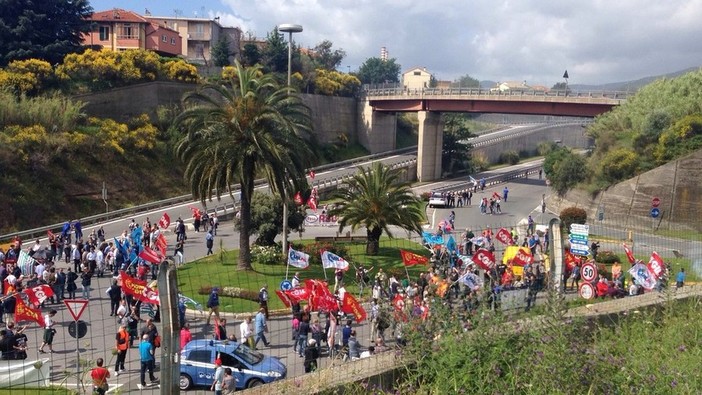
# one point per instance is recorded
(220, 270)
(36, 391)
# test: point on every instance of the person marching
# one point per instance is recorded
(49, 332)
(122, 339)
(100, 374)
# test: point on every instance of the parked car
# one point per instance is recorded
(437, 199)
(250, 368)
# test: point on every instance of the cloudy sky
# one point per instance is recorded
(597, 41)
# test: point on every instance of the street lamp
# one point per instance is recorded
(290, 29)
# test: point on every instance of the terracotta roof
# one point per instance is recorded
(117, 15)
(156, 26)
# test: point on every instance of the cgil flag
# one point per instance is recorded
(298, 259)
(411, 259)
(150, 255)
(298, 198)
(165, 221)
(333, 261)
(138, 289)
(656, 265)
(39, 294)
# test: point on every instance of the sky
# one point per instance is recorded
(597, 41)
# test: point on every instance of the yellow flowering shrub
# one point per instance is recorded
(142, 134)
(23, 140)
(228, 72)
(110, 133)
(18, 82)
(179, 70)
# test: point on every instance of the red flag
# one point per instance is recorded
(297, 295)
(312, 203)
(298, 198)
(284, 298)
(195, 211)
(312, 174)
(165, 221)
(324, 302)
(484, 258)
(50, 234)
(411, 259)
(504, 237)
(161, 244)
(24, 312)
(522, 257)
(150, 255)
(37, 295)
(656, 265)
(495, 195)
(350, 305)
(398, 303)
(138, 289)
(570, 260)
(629, 254)
(217, 333)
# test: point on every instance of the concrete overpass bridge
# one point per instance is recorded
(380, 104)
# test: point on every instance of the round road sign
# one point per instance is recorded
(589, 272)
(655, 202)
(655, 212)
(587, 291)
(285, 285)
(82, 329)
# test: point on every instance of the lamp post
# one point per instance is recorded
(290, 29)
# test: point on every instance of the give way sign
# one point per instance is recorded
(75, 307)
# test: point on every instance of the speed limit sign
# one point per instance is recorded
(589, 272)
(587, 291)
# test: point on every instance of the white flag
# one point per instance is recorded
(333, 261)
(298, 259)
(643, 276)
(25, 263)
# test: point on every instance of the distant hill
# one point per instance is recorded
(629, 85)
(612, 86)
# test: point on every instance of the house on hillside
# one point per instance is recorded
(511, 87)
(119, 30)
(200, 35)
(416, 79)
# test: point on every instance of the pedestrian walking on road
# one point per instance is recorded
(49, 332)
(261, 328)
(100, 374)
(146, 356)
(209, 242)
(122, 339)
(247, 333)
(311, 356)
(263, 299)
(213, 304)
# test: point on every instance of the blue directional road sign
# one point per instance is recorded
(655, 212)
(581, 242)
(579, 249)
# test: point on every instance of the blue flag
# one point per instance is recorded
(432, 238)
(137, 235)
(122, 248)
(451, 245)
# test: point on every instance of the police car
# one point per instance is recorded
(250, 368)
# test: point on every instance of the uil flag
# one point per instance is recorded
(25, 263)
(411, 259)
(333, 261)
(298, 259)
(165, 221)
(629, 254)
(642, 276)
(298, 198)
(37, 295)
(26, 313)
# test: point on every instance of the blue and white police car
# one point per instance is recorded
(250, 368)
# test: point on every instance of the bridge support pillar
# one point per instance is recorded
(431, 141)
(377, 130)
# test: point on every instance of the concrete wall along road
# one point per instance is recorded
(331, 116)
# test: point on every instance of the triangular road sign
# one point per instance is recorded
(75, 307)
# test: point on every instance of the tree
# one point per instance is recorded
(234, 133)
(376, 71)
(564, 169)
(45, 30)
(267, 218)
(455, 155)
(334, 83)
(619, 164)
(221, 52)
(250, 55)
(465, 81)
(275, 54)
(376, 198)
(326, 58)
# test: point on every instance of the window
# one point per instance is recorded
(230, 361)
(417, 73)
(129, 32)
(164, 38)
(173, 41)
(104, 33)
(203, 356)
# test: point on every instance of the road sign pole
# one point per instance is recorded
(77, 358)
(76, 308)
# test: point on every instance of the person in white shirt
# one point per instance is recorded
(37, 246)
(39, 270)
(296, 280)
(100, 262)
(370, 351)
(49, 332)
(246, 332)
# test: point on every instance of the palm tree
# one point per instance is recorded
(376, 198)
(234, 133)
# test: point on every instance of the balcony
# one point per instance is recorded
(199, 36)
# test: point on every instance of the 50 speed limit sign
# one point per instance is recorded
(587, 291)
(589, 272)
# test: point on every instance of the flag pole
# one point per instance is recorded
(287, 264)
(407, 272)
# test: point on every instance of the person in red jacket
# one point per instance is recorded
(602, 287)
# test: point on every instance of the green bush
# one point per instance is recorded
(608, 257)
(267, 255)
(572, 215)
(509, 157)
